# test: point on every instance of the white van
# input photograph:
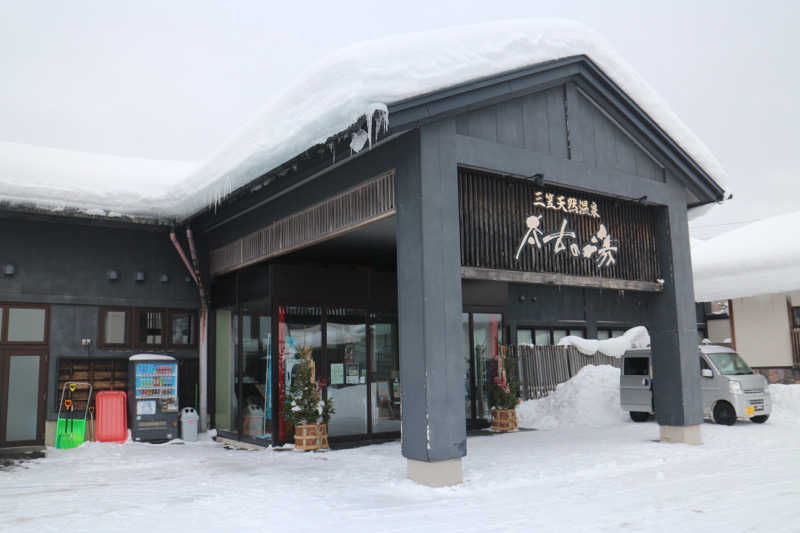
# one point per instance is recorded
(731, 390)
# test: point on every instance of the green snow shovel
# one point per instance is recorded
(70, 430)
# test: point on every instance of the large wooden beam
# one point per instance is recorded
(547, 278)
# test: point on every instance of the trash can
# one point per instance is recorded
(189, 420)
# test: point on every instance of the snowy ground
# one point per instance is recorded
(572, 477)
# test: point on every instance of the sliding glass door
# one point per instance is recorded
(483, 337)
(356, 359)
(346, 354)
(384, 374)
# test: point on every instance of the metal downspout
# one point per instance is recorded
(194, 272)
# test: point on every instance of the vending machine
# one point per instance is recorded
(153, 397)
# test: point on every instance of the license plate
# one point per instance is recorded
(749, 410)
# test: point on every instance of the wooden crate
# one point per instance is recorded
(504, 420)
(310, 437)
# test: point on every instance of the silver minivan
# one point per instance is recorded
(731, 390)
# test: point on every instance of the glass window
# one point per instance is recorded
(559, 334)
(26, 324)
(151, 327)
(524, 336)
(730, 364)
(637, 366)
(183, 328)
(23, 397)
(796, 316)
(576, 333)
(115, 327)
(617, 333)
(542, 337)
(225, 397)
(603, 334)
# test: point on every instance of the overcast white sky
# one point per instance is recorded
(173, 80)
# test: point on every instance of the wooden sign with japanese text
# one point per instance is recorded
(511, 224)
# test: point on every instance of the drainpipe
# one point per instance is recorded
(194, 272)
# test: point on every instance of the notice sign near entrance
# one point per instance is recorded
(337, 373)
(511, 224)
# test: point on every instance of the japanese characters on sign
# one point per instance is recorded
(601, 247)
(575, 206)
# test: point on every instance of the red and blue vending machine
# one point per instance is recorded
(153, 397)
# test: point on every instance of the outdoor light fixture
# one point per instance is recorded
(188, 279)
(112, 275)
(538, 179)
(642, 200)
(164, 278)
(139, 276)
(9, 269)
(522, 297)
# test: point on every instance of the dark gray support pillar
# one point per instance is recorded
(429, 304)
(673, 333)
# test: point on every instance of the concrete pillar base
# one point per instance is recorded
(437, 473)
(684, 434)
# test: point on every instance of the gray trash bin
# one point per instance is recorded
(189, 420)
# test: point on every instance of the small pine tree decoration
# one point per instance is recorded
(303, 401)
(504, 389)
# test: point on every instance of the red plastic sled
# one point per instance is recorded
(112, 416)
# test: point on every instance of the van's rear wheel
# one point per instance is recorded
(724, 414)
(760, 419)
(639, 416)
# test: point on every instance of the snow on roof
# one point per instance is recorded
(636, 337)
(760, 258)
(98, 184)
(332, 95)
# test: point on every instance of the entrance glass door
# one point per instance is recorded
(384, 374)
(298, 327)
(22, 375)
(484, 335)
(346, 354)
(256, 406)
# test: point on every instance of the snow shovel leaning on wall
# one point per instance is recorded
(70, 428)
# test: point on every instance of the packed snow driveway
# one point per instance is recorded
(599, 472)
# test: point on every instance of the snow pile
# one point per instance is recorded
(759, 258)
(636, 337)
(589, 399)
(785, 403)
(357, 80)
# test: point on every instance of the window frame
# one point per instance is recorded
(133, 330)
(101, 340)
(550, 329)
(165, 327)
(4, 325)
(623, 329)
(195, 325)
(796, 317)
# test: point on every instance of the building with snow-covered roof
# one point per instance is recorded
(402, 219)
(751, 276)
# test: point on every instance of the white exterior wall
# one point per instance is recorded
(719, 330)
(761, 326)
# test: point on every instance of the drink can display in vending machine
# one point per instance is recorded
(153, 397)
